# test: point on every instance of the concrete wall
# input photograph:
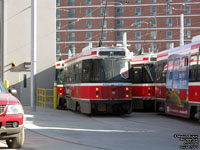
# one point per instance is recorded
(17, 45)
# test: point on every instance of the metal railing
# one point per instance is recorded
(46, 97)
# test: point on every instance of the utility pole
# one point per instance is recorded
(33, 52)
(182, 30)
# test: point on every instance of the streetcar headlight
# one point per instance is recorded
(14, 109)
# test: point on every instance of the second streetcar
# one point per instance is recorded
(143, 77)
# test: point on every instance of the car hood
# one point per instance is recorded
(7, 98)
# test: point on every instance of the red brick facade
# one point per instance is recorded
(128, 19)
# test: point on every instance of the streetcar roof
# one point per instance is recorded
(100, 52)
(144, 59)
(191, 48)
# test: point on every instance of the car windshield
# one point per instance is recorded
(2, 88)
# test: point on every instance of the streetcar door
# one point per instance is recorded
(177, 85)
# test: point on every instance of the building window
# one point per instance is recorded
(119, 24)
(58, 25)
(187, 9)
(88, 24)
(119, 36)
(103, 12)
(71, 25)
(103, 35)
(138, 47)
(57, 13)
(57, 49)
(168, 0)
(119, 12)
(103, 1)
(71, 37)
(57, 2)
(103, 23)
(153, 23)
(57, 36)
(71, 50)
(137, 1)
(153, 35)
(88, 36)
(187, 34)
(153, 47)
(169, 34)
(137, 23)
(169, 22)
(119, 2)
(88, 12)
(71, 13)
(88, 1)
(71, 2)
(169, 45)
(169, 10)
(153, 10)
(153, 1)
(137, 11)
(187, 21)
(137, 35)
(187, 0)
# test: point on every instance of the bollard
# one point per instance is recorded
(6, 84)
(54, 96)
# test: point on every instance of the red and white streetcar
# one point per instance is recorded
(178, 81)
(143, 76)
(97, 81)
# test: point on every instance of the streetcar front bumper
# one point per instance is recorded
(107, 106)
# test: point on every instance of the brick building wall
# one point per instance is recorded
(151, 25)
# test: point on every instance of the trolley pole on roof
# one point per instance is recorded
(182, 30)
(33, 52)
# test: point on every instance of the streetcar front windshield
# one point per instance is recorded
(143, 73)
(106, 70)
(59, 76)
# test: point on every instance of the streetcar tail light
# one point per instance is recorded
(149, 91)
(60, 91)
(97, 92)
(127, 92)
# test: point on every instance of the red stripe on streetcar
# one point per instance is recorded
(162, 55)
(195, 46)
(77, 57)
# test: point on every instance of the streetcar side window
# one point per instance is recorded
(77, 71)
(161, 71)
(86, 70)
(193, 68)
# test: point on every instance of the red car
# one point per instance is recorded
(11, 118)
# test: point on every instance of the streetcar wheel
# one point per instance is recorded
(78, 107)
